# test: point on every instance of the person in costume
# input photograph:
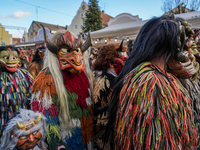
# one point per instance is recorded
(61, 91)
(15, 85)
(25, 130)
(192, 85)
(129, 44)
(197, 41)
(24, 59)
(150, 108)
(31, 53)
(93, 55)
(106, 61)
(196, 52)
(37, 63)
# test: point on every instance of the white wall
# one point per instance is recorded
(77, 20)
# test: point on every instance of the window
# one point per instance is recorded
(33, 28)
(31, 34)
(36, 33)
(2, 43)
(81, 15)
(76, 27)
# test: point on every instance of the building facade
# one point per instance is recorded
(35, 32)
(5, 37)
(77, 21)
(36, 27)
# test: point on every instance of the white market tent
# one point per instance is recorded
(193, 18)
(127, 25)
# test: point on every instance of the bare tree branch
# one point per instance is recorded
(181, 6)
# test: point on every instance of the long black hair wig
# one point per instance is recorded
(158, 37)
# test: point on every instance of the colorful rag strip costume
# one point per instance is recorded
(193, 88)
(15, 93)
(102, 91)
(154, 112)
(45, 100)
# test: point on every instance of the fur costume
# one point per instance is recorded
(25, 130)
(114, 53)
(15, 85)
(37, 63)
(103, 85)
(150, 108)
(64, 95)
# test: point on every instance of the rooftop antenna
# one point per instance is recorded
(104, 6)
(37, 12)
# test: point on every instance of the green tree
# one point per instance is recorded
(93, 20)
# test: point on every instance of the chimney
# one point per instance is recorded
(57, 26)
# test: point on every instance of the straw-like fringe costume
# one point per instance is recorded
(15, 93)
(103, 87)
(154, 112)
(45, 100)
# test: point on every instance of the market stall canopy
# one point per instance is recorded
(31, 45)
(127, 25)
(123, 24)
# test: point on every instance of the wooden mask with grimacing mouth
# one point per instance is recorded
(69, 49)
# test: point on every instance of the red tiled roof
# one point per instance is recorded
(105, 18)
(17, 40)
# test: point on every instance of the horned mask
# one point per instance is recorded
(69, 49)
(24, 131)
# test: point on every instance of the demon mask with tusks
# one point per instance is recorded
(25, 130)
(69, 51)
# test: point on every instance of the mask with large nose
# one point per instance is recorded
(30, 134)
(9, 57)
(68, 50)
